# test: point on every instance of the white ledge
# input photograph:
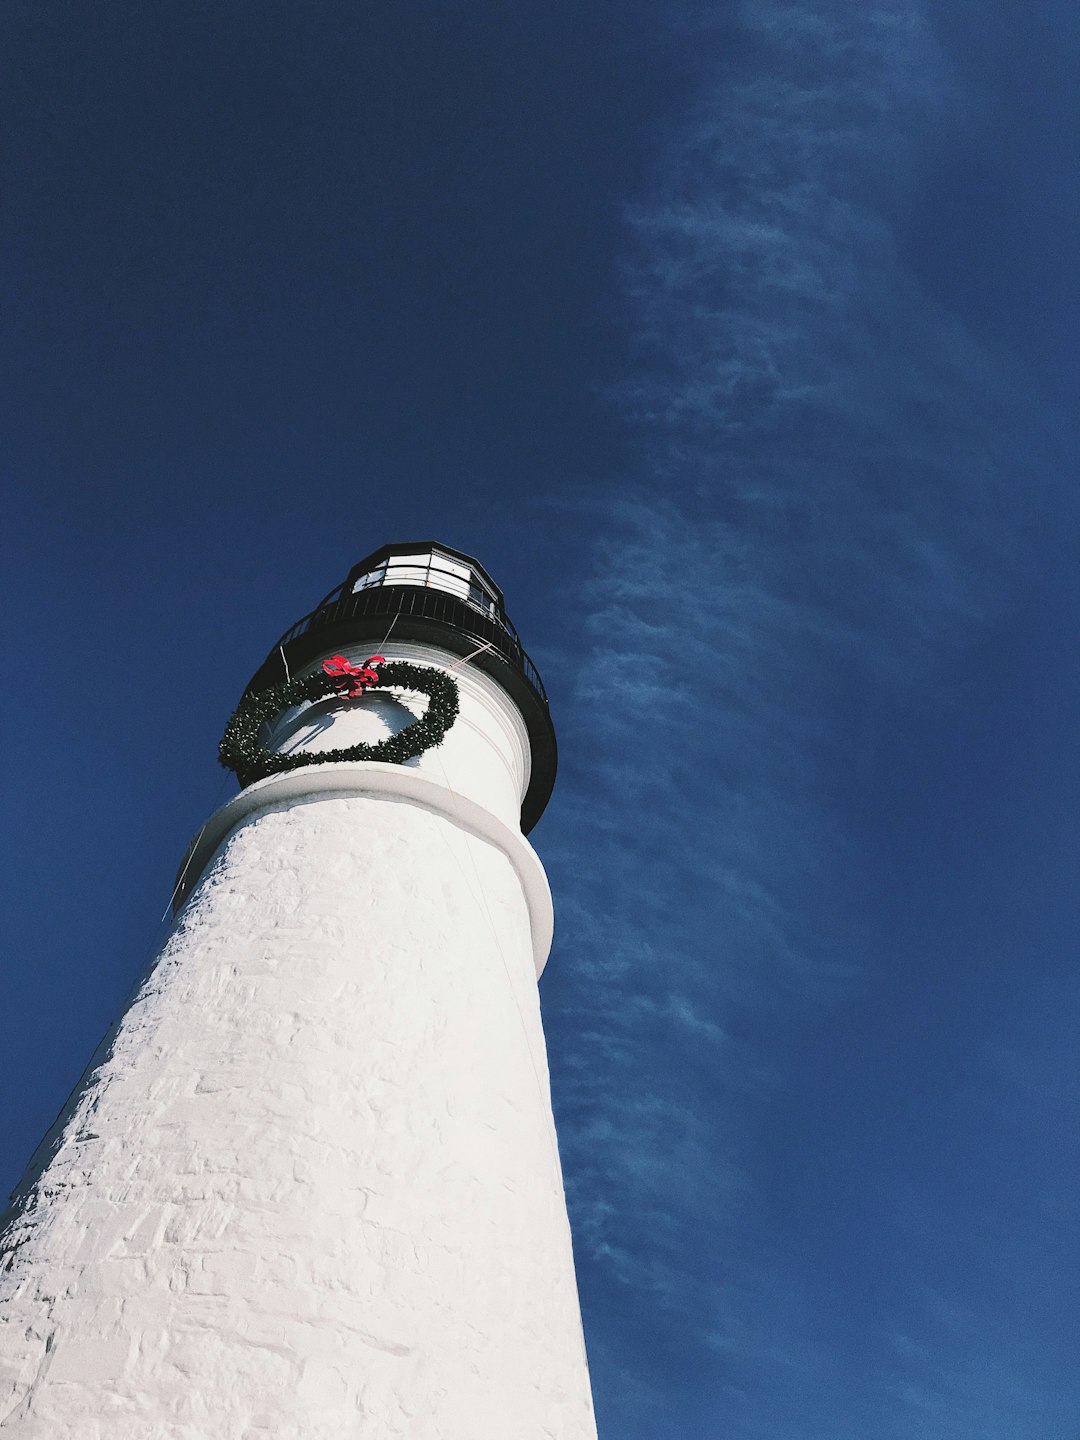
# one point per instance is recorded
(372, 777)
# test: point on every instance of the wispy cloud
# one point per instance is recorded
(962, 1377)
(833, 467)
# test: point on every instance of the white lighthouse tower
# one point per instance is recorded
(309, 1188)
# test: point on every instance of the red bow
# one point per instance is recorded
(353, 680)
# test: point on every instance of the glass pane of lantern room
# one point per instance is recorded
(450, 575)
(479, 597)
(411, 569)
(373, 577)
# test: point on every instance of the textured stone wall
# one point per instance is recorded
(312, 1187)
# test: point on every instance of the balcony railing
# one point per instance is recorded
(480, 621)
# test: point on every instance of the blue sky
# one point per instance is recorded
(738, 341)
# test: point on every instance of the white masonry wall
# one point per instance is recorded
(484, 755)
(312, 1188)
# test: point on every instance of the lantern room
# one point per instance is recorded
(432, 568)
(428, 592)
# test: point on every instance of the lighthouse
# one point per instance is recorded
(309, 1187)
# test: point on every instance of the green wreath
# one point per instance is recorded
(243, 752)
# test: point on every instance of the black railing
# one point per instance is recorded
(420, 602)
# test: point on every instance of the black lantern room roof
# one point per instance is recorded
(431, 593)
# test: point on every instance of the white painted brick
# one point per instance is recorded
(312, 1189)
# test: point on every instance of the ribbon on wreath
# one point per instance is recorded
(352, 680)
